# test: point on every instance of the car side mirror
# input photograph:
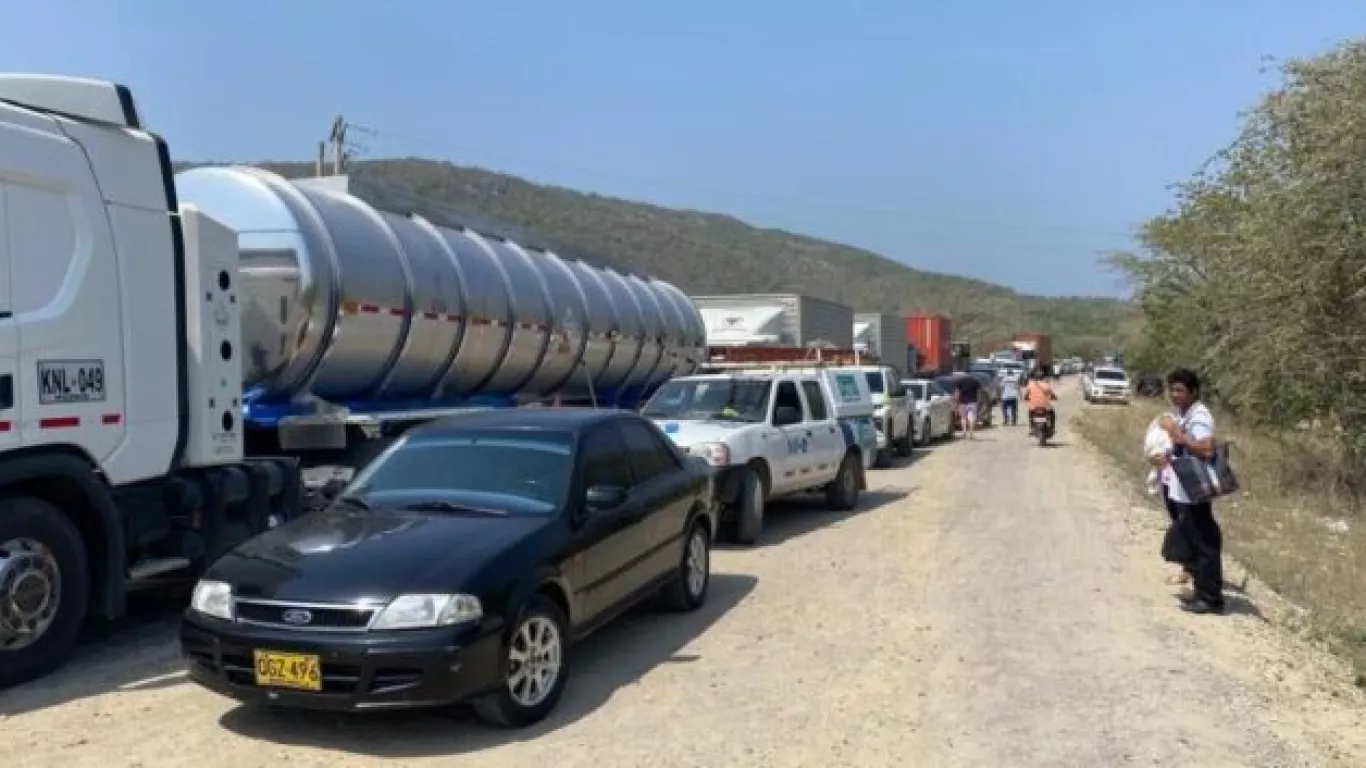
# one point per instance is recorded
(601, 498)
(786, 414)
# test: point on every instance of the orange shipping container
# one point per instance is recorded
(930, 335)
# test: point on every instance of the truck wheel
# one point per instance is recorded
(842, 492)
(749, 518)
(44, 588)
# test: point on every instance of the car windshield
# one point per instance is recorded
(917, 390)
(1110, 375)
(874, 382)
(495, 471)
(724, 399)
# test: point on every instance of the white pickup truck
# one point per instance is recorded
(766, 434)
(1106, 383)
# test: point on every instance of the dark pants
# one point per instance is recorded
(1195, 524)
(1010, 410)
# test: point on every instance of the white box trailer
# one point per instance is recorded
(884, 335)
(775, 319)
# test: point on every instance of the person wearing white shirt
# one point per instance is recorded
(1191, 428)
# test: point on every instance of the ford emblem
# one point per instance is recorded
(297, 616)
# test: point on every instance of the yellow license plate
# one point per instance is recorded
(300, 671)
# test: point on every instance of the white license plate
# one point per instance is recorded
(70, 381)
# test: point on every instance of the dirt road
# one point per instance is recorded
(990, 603)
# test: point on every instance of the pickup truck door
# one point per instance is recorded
(794, 458)
(827, 440)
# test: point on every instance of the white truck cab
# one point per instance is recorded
(766, 435)
(893, 411)
(121, 446)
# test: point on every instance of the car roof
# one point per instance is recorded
(1110, 368)
(539, 419)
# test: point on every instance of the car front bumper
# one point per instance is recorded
(360, 671)
(1109, 397)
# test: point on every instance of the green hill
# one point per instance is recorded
(707, 253)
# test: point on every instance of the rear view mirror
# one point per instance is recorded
(604, 497)
(786, 414)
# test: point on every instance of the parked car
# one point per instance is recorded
(933, 409)
(459, 565)
(892, 416)
(1106, 383)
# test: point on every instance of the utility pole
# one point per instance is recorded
(322, 154)
(338, 139)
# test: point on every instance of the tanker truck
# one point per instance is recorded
(178, 352)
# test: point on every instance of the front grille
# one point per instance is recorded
(335, 618)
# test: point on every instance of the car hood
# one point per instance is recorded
(689, 433)
(344, 555)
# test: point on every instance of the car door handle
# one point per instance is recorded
(808, 433)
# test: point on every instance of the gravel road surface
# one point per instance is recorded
(990, 603)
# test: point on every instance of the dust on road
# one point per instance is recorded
(990, 603)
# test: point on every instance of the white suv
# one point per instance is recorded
(1106, 384)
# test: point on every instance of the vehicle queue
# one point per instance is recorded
(463, 563)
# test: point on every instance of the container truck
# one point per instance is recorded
(1036, 350)
(884, 337)
(175, 352)
(775, 319)
(930, 335)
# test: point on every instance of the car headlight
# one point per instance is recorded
(715, 454)
(213, 598)
(427, 611)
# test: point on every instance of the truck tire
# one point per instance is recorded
(44, 588)
(842, 492)
(749, 511)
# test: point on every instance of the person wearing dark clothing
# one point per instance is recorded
(966, 393)
(1191, 427)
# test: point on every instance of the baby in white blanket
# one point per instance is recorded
(1155, 443)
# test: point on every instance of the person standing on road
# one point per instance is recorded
(1191, 427)
(966, 394)
(1010, 399)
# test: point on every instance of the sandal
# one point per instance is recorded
(1178, 579)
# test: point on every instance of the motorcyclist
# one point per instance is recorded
(1039, 396)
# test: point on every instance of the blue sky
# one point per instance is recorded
(1006, 140)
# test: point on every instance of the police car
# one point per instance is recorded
(768, 434)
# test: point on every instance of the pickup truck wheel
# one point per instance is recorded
(905, 445)
(688, 591)
(842, 492)
(43, 588)
(749, 518)
(535, 667)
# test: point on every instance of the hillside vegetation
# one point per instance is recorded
(1258, 275)
(706, 253)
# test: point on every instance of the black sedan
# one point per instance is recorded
(459, 566)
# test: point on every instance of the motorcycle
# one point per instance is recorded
(1039, 426)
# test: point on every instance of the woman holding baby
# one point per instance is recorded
(1190, 426)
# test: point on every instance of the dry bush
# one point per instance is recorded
(1291, 524)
